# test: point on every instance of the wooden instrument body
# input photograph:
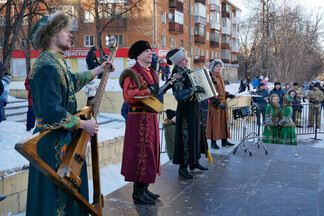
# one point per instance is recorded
(67, 176)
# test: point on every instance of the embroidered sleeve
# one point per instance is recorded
(180, 92)
(132, 94)
(288, 112)
(47, 96)
(80, 79)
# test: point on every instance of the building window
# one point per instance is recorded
(163, 41)
(23, 43)
(226, 7)
(225, 54)
(163, 17)
(226, 39)
(178, 17)
(214, 36)
(200, 10)
(200, 30)
(88, 40)
(211, 54)
(72, 41)
(119, 38)
(2, 20)
(202, 52)
(172, 43)
(207, 54)
(197, 51)
(88, 17)
(207, 36)
(226, 22)
(1, 42)
(181, 43)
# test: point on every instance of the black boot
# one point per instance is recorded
(226, 143)
(197, 166)
(214, 144)
(150, 194)
(183, 171)
(2, 197)
(139, 196)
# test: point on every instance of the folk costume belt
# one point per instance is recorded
(139, 110)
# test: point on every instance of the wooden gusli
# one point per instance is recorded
(67, 176)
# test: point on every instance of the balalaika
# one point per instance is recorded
(202, 78)
(67, 176)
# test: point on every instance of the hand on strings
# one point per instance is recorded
(154, 89)
(102, 68)
(90, 127)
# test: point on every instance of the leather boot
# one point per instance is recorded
(2, 197)
(226, 143)
(198, 166)
(139, 196)
(183, 171)
(214, 144)
(150, 194)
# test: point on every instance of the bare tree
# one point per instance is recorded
(14, 14)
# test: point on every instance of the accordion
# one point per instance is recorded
(202, 78)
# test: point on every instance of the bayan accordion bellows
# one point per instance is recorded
(203, 79)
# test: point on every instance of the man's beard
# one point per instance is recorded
(64, 47)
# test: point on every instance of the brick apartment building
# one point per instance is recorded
(207, 29)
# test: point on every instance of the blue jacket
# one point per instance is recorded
(255, 83)
(260, 100)
(280, 93)
(124, 110)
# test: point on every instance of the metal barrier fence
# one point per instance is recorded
(305, 123)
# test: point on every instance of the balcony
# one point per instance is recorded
(236, 20)
(118, 23)
(214, 7)
(214, 25)
(225, 46)
(175, 27)
(200, 39)
(235, 48)
(214, 43)
(176, 4)
(200, 20)
(200, 1)
(226, 30)
(199, 59)
(235, 34)
(226, 14)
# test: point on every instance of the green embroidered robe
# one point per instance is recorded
(288, 133)
(271, 130)
(53, 89)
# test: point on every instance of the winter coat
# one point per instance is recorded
(5, 93)
(124, 110)
(261, 100)
(318, 96)
(243, 86)
(91, 59)
(255, 83)
(1, 88)
(280, 94)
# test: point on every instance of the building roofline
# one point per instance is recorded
(233, 5)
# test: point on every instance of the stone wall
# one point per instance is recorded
(13, 183)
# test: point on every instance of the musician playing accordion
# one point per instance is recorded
(190, 138)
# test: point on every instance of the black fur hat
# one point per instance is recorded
(170, 113)
(46, 28)
(137, 48)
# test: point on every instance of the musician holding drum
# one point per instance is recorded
(53, 89)
(218, 120)
(190, 138)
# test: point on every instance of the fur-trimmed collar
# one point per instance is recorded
(129, 73)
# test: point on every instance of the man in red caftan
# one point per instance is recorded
(141, 155)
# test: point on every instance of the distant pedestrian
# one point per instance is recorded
(164, 68)
(296, 106)
(265, 81)
(287, 87)
(255, 82)
(169, 125)
(287, 132)
(4, 96)
(243, 86)
(91, 59)
(300, 96)
(31, 118)
(262, 102)
(315, 98)
(272, 116)
(278, 91)
(155, 59)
